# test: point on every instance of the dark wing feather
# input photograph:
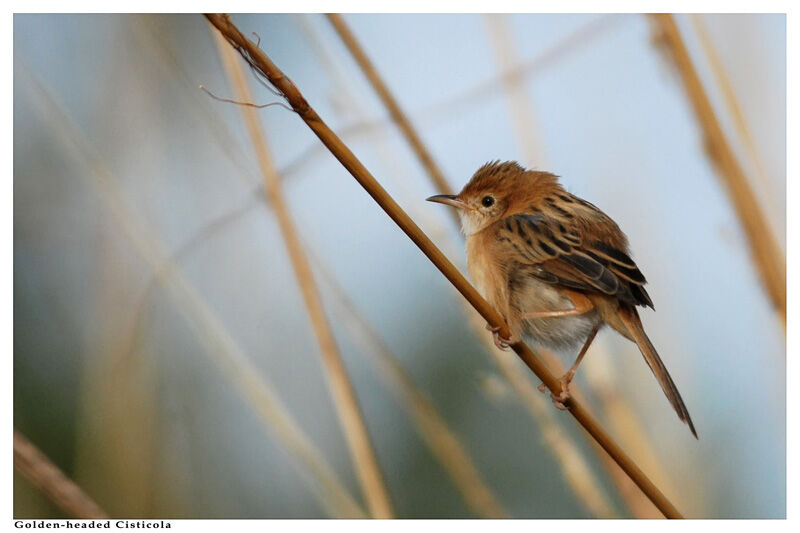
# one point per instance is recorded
(556, 251)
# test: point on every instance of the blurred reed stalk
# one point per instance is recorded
(344, 397)
(223, 350)
(766, 187)
(117, 429)
(767, 256)
(422, 153)
(521, 109)
(552, 55)
(574, 466)
(617, 412)
(464, 100)
(431, 426)
(37, 468)
(150, 33)
(467, 98)
(351, 106)
(259, 60)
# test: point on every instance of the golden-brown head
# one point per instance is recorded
(497, 190)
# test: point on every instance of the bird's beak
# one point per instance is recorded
(449, 199)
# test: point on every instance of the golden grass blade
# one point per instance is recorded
(37, 468)
(222, 348)
(259, 60)
(350, 416)
(767, 256)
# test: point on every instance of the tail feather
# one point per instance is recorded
(631, 320)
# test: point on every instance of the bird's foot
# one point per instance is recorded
(560, 399)
(501, 342)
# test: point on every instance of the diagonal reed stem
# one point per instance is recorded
(259, 60)
(574, 466)
(422, 153)
(736, 112)
(222, 349)
(344, 396)
(767, 256)
(37, 468)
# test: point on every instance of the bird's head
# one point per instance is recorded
(495, 191)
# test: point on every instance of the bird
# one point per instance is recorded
(555, 266)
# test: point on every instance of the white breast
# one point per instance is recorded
(562, 333)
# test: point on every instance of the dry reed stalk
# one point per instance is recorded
(259, 60)
(521, 110)
(431, 426)
(221, 347)
(344, 397)
(397, 114)
(37, 468)
(344, 95)
(484, 89)
(767, 256)
(630, 431)
(767, 189)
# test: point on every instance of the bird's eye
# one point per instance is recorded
(487, 201)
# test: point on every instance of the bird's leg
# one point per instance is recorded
(581, 303)
(566, 379)
(501, 342)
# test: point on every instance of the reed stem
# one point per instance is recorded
(397, 114)
(259, 60)
(37, 468)
(767, 255)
